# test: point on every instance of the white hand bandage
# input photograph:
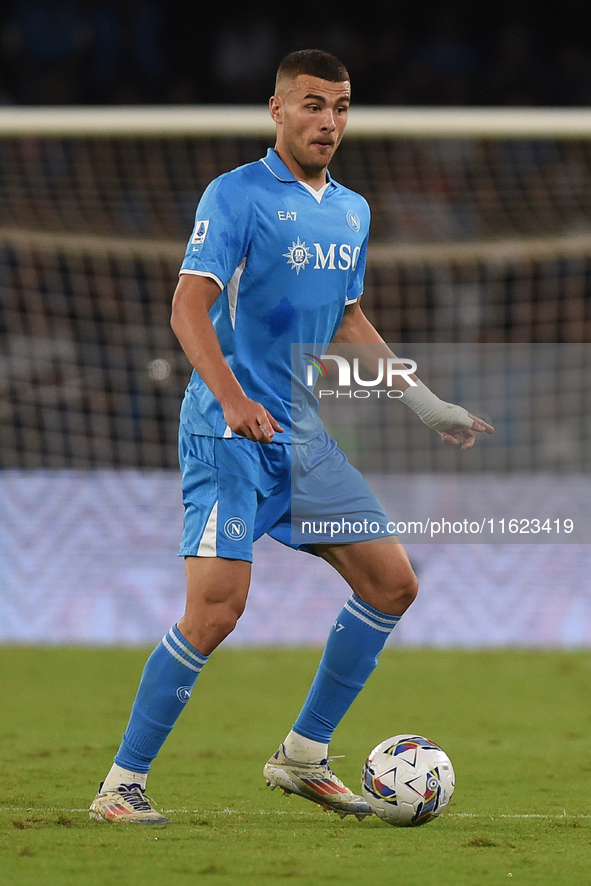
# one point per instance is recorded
(436, 413)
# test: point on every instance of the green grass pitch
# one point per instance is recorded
(516, 725)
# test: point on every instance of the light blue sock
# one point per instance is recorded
(351, 653)
(165, 687)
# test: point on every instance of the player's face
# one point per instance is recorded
(311, 115)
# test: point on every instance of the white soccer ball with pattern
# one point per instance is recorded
(407, 780)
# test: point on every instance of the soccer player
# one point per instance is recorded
(276, 257)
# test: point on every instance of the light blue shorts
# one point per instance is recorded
(236, 490)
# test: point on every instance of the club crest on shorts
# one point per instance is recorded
(235, 528)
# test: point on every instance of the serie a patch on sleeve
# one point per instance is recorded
(200, 232)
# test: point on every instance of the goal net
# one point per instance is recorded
(481, 236)
(479, 270)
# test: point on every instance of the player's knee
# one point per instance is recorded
(223, 619)
(396, 595)
(408, 590)
(208, 627)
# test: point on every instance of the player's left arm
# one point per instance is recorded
(454, 423)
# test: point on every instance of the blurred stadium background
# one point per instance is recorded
(481, 254)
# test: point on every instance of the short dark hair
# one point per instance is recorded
(315, 63)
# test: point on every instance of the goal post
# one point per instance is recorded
(250, 121)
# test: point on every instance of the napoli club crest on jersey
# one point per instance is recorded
(353, 221)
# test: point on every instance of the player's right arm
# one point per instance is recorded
(192, 325)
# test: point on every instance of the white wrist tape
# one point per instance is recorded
(436, 413)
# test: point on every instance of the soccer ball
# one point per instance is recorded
(407, 780)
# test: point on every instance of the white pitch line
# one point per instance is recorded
(171, 811)
(515, 815)
(476, 815)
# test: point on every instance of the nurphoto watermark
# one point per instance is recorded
(457, 443)
(389, 371)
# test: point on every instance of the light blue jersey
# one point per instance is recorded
(288, 259)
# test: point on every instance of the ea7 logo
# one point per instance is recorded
(200, 232)
(347, 257)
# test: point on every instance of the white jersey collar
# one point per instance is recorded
(318, 195)
(277, 167)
